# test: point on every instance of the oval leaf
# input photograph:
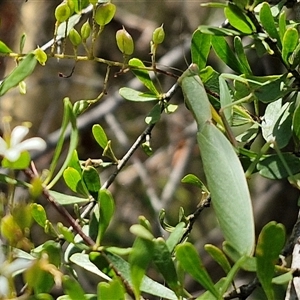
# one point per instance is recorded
(107, 208)
(238, 19)
(139, 70)
(192, 264)
(133, 95)
(269, 245)
(100, 135)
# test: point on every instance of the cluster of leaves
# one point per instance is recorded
(217, 102)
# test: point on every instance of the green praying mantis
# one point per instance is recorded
(224, 174)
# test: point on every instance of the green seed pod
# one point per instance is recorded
(75, 37)
(85, 30)
(62, 12)
(105, 13)
(71, 5)
(124, 42)
(158, 35)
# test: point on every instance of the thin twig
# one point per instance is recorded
(244, 291)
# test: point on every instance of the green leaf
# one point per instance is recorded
(265, 88)
(107, 208)
(200, 48)
(238, 19)
(74, 162)
(269, 245)
(296, 122)
(218, 31)
(139, 70)
(65, 232)
(272, 167)
(73, 180)
(162, 259)
(241, 3)
(241, 55)
(64, 199)
(139, 259)
(249, 134)
(91, 179)
(82, 260)
(193, 179)
(133, 95)
(176, 236)
(192, 86)
(68, 119)
(225, 99)
(232, 205)
(39, 214)
(277, 123)
(218, 256)
(142, 232)
(100, 135)
(222, 169)
(282, 24)
(22, 42)
(19, 73)
(154, 115)
(225, 53)
(267, 21)
(192, 264)
(4, 49)
(73, 289)
(284, 278)
(111, 290)
(148, 285)
(289, 43)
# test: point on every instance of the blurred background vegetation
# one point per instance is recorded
(147, 184)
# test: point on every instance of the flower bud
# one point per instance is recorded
(74, 37)
(105, 13)
(80, 106)
(62, 12)
(40, 56)
(158, 35)
(22, 87)
(85, 30)
(71, 5)
(124, 42)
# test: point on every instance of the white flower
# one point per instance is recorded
(12, 148)
(8, 269)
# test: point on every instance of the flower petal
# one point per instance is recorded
(4, 287)
(17, 135)
(12, 154)
(32, 144)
